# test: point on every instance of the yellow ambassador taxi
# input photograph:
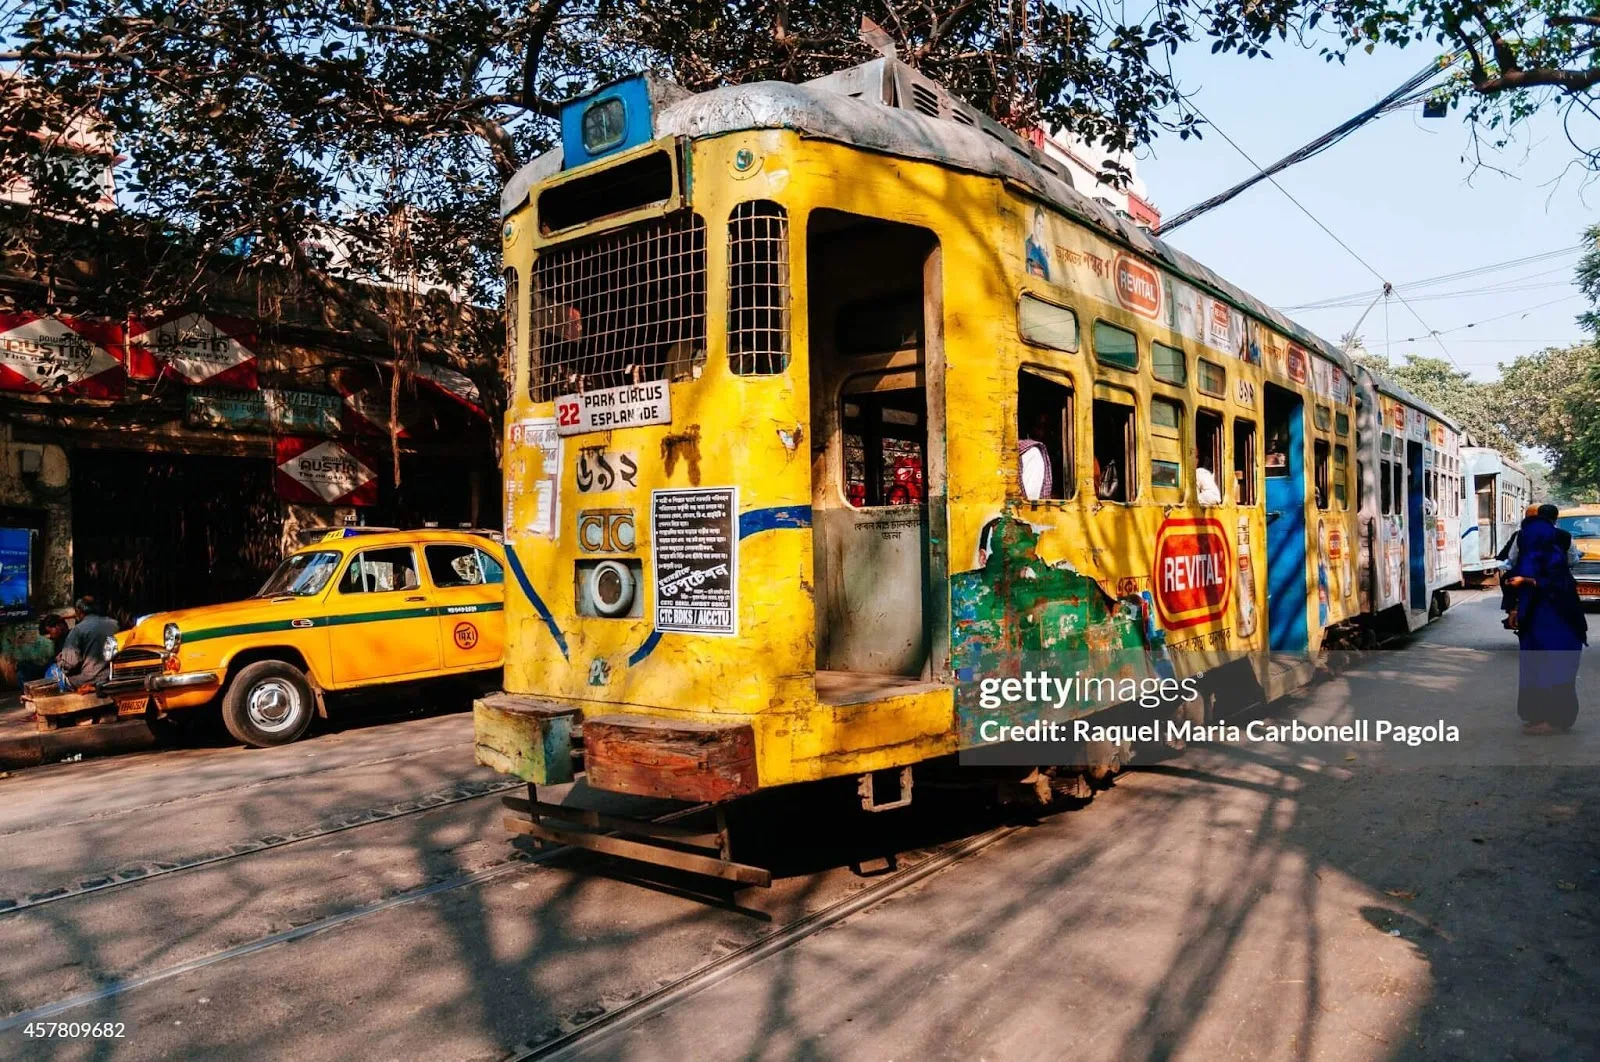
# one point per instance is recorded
(356, 608)
(1582, 522)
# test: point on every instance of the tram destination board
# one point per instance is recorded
(696, 559)
(628, 406)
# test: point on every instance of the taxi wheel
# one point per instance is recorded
(268, 703)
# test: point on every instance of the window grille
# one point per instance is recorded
(627, 307)
(758, 289)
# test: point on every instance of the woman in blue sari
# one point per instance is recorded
(1551, 629)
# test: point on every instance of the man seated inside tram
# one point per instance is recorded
(1278, 451)
(1034, 465)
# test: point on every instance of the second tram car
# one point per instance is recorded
(1410, 505)
(780, 353)
(1496, 493)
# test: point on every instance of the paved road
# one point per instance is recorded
(1256, 901)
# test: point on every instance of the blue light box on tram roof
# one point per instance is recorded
(609, 119)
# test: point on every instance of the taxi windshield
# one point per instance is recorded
(1580, 526)
(302, 575)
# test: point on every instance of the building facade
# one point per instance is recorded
(1087, 165)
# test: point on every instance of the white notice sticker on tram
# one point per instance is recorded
(629, 406)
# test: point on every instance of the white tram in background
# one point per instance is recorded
(1410, 502)
(1495, 493)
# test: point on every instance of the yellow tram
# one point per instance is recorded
(776, 351)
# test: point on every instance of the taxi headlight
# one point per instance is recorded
(171, 638)
(109, 650)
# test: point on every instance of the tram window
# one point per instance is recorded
(885, 443)
(1114, 450)
(1387, 486)
(758, 289)
(1168, 364)
(1398, 471)
(1386, 444)
(1341, 422)
(1115, 346)
(1044, 416)
(1244, 461)
(1045, 324)
(625, 307)
(1211, 378)
(1320, 457)
(1166, 448)
(1341, 476)
(1324, 418)
(1208, 453)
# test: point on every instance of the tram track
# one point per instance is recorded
(150, 870)
(576, 1039)
(287, 776)
(573, 1043)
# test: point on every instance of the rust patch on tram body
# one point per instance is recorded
(684, 446)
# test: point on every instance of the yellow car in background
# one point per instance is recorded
(1582, 522)
(354, 609)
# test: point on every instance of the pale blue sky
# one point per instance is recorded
(1397, 191)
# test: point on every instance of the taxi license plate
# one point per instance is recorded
(132, 705)
(1589, 589)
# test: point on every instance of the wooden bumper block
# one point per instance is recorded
(646, 756)
(524, 737)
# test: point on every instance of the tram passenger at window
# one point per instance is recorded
(1034, 466)
(1206, 490)
(1278, 449)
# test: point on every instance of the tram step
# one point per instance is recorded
(649, 756)
(524, 737)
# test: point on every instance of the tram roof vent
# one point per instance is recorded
(891, 83)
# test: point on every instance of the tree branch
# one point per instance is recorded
(542, 23)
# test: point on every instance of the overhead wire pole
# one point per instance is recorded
(1355, 328)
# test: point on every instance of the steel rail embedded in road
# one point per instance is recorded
(574, 1043)
(150, 871)
(127, 984)
(606, 1024)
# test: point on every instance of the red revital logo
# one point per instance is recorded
(1193, 572)
(1138, 287)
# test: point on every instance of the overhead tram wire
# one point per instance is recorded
(1507, 288)
(1356, 298)
(1496, 317)
(1404, 94)
(1387, 287)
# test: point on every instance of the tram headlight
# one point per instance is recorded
(612, 587)
(171, 637)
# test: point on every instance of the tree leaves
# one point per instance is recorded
(367, 140)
